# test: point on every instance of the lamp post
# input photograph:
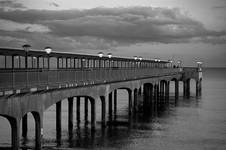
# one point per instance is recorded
(140, 59)
(100, 54)
(26, 48)
(171, 63)
(135, 66)
(109, 74)
(48, 51)
(135, 58)
(179, 63)
(109, 56)
(199, 63)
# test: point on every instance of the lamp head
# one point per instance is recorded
(48, 50)
(109, 55)
(100, 54)
(26, 47)
(199, 62)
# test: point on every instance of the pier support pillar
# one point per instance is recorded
(130, 96)
(176, 90)
(110, 107)
(78, 110)
(15, 133)
(103, 111)
(151, 97)
(115, 104)
(24, 126)
(38, 130)
(146, 98)
(167, 89)
(158, 95)
(198, 87)
(70, 117)
(187, 88)
(86, 110)
(93, 114)
(58, 121)
(162, 93)
(140, 91)
(135, 99)
(155, 95)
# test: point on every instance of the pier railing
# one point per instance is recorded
(32, 70)
(42, 79)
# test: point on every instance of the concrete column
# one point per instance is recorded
(78, 110)
(161, 93)
(15, 133)
(135, 101)
(176, 90)
(110, 107)
(167, 88)
(151, 97)
(156, 96)
(130, 96)
(86, 109)
(38, 130)
(58, 121)
(24, 126)
(184, 88)
(103, 111)
(115, 103)
(140, 91)
(188, 88)
(70, 117)
(146, 98)
(198, 87)
(93, 114)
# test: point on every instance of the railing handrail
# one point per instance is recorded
(49, 79)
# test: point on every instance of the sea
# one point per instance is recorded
(195, 123)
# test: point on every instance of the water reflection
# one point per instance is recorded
(117, 131)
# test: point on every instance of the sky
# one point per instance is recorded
(187, 30)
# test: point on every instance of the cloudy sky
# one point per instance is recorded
(187, 30)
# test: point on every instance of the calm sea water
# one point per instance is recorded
(191, 124)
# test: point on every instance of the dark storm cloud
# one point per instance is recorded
(10, 4)
(118, 26)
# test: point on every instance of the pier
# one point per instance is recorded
(33, 80)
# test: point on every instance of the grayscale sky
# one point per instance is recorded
(187, 30)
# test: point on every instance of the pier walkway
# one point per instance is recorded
(31, 81)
